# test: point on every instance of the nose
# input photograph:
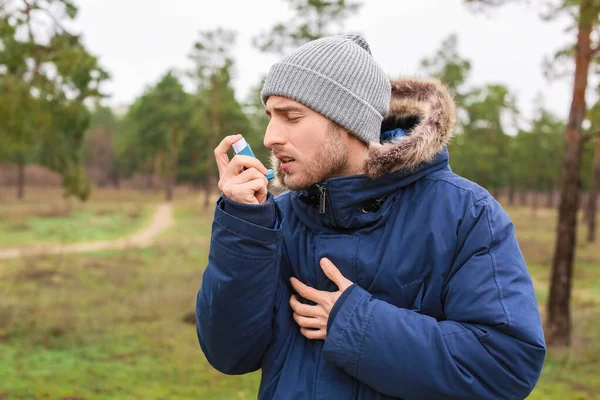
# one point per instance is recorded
(274, 136)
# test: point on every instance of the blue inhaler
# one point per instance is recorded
(243, 148)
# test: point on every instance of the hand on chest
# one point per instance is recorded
(376, 266)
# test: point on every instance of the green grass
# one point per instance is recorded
(572, 373)
(119, 324)
(66, 226)
(44, 217)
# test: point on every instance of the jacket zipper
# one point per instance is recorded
(324, 202)
(322, 199)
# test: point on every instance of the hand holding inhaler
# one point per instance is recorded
(243, 178)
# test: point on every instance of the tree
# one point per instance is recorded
(481, 150)
(592, 203)
(46, 75)
(593, 196)
(559, 318)
(258, 119)
(448, 66)
(99, 150)
(312, 20)
(160, 119)
(585, 15)
(217, 113)
(536, 155)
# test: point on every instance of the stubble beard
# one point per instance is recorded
(330, 160)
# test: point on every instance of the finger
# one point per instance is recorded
(306, 310)
(246, 192)
(221, 150)
(258, 187)
(313, 334)
(308, 322)
(243, 188)
(241, 162)
(306, 291)
(249, 175)
(334, 274)
(262, 193)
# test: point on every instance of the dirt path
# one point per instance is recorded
(161, 220)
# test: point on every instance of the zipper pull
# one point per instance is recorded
(322, 199)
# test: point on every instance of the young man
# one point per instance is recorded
(378, 273)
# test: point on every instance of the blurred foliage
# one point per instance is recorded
(46, 75)
(170, 132)
(312, 20)
(483, 150)
(159, 120)
(582, 53)
(217, 111)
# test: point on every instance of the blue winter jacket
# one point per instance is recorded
(442, 305)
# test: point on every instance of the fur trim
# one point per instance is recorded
(432, 104)
(276, 184)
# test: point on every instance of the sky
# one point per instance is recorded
(137, 41)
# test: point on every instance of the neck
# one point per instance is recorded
(357, 154)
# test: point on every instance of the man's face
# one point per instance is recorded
(310, 148)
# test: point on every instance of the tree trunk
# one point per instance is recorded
(206, 191)
(207, 194)
(583, 205)
(21, 178)
(592, 205)
(583, 196)
(550, 198)
(169, 181)
(523, 197)
(173, 158)
(558, 326)
(215, 116)
(511, 195)
(149, 168)
(496, 193)
(210, 185)
(149, 182)
(116, 180)
(534, 202)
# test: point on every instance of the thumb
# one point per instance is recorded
(334, 274)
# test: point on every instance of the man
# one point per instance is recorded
(378, 273)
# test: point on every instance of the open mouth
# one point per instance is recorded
(286, 162)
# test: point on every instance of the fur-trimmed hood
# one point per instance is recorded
(425, 110)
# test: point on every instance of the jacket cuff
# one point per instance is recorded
(348, 328)
(258, 214)
(239, 235)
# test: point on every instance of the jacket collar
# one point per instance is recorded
(357, 201)
(425, 113)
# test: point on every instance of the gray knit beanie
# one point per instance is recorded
(337, 77)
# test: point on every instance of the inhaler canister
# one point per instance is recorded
(242, 147)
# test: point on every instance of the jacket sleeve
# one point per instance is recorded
(490, 345)
(234, 305)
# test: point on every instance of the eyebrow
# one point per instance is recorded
(283, 109)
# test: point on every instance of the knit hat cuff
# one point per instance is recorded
(326, 97)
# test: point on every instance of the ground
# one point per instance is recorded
(118, 324)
